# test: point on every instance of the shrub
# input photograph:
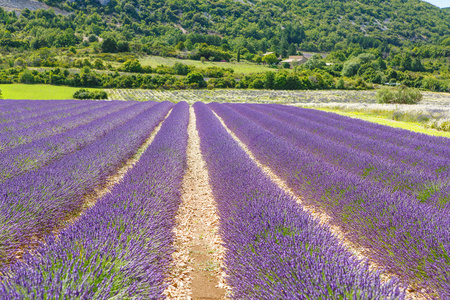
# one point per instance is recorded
(402, 95)
(286, 65)
(196, 78)
(86, 94)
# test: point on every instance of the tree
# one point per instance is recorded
(188, 44)
(195, 78)
(379, 64)
(109, 45)
(180, 69)
(406, 62)
(180, 46)
(315, 62)
(238, 59)
(270, 59)
(98, 64)
(123, 46)
(417, 65)
(350, 68)
(292, 49)
(132, 65)
(269, 80)
(26, 77)
(92, 38)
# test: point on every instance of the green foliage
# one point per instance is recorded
(401, 95)
(340, 84)
(315, 62)
(270, 59)
(195, 78)
(351, 68)
(433, 84)
(181, 69)
(86, 94)
(109, 45)
(132, 65)
(180, 46)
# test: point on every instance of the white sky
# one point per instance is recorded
(440, 3)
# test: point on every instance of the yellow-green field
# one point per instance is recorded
(412, 126)
(37, 92)
(239, 68)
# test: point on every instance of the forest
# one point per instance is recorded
(362, 43)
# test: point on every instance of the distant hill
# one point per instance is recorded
(18, 5)
(317, 24)
(314, 25)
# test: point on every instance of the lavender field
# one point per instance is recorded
(309, 204)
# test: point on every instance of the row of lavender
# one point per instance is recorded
(406, 233)
(400, 137)
(35, 203)
(43, 150)
(13, 110)
(36, 116)
(78, 116)
(420, 150)
(119, 249)
(274, 248)
(321, 140)
(426, 154)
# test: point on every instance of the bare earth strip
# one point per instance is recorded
(324, 219)
(89, 200)
(197, 261)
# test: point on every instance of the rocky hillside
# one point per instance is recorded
(310, 25)
(18, 5)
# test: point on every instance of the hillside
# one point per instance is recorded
(366, 42)
(18, 5)
(314, 24)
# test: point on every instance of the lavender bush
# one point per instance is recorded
(36, 202)
(120, 248)
(410, 238)
(42, 151)
(275, 250)
(58, 111)
(12, 139)
(302, 133)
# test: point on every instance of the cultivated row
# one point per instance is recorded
(410, 238)
(394, 176)
(12, 139)
(47, 114)
(273, 246)
(120, 248)
(36, 202)
(42, 151)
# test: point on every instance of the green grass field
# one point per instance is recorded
(412, 126)
(37, 92)
(239, 68)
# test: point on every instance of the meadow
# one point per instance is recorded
(37, 91)
(239, 68)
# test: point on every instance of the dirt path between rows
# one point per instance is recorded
(197, 261)
(324, 218)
